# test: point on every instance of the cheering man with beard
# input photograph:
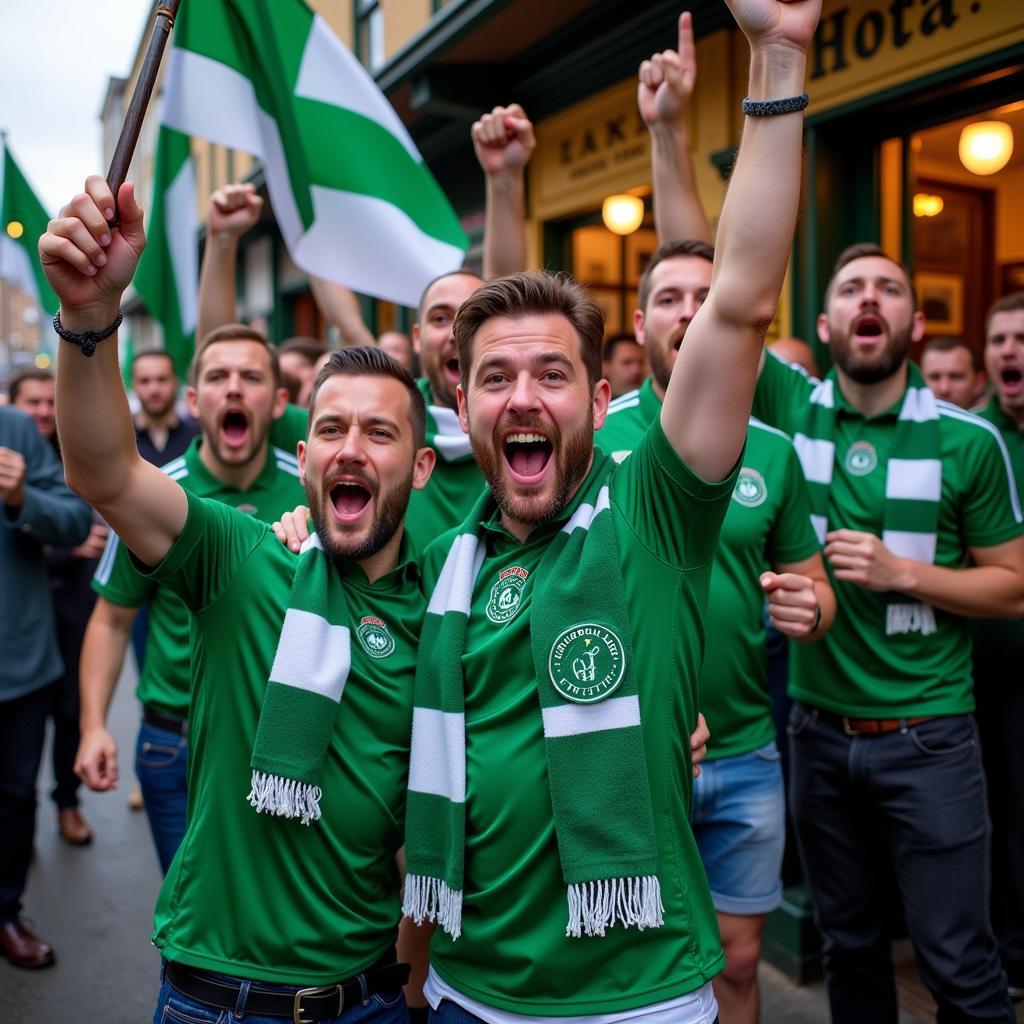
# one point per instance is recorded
(549, 790)
(236, 394)
(885, 767)
(287, 907)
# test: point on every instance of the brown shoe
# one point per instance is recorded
(73, 827)
(23, 948)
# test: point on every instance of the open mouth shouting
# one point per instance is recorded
(1011, 381)
(235, 428)
(527, 454)
(451, 369)
(349, 496)
(868, 328)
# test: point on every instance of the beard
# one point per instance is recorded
(572, 457)
(391, 506)
(157, 409)
(232, 457)
(660, 358)
(874, 367)
(442, 388)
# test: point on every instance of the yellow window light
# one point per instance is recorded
(43, 361)
(986, 146)
(15, 228)
(926, 205)
(623, 213)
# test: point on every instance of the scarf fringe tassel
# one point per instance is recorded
(596, 906)
(429, 898)
(285, 798)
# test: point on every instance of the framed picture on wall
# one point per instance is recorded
(640, 247)
(1013, 278)
(941, 298)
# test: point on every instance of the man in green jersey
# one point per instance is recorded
(235, 392)
(302, 665)
(547, 822)
(998, 655)
(885, 768)
(739, 812)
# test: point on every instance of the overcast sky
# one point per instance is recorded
(57, 56)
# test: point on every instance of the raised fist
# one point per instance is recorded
(503, 139)
(234, 209)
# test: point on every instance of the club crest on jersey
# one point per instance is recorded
(247, 508)
(860, 458)
(750, 489)
(506, 594)
(587, 663)
(373, 636)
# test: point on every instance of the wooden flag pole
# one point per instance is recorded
(125, 149)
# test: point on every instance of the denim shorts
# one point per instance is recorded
(739, 822)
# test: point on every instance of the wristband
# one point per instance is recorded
(88, 340)
(772, 108)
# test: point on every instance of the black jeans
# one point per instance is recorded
(1000, 721)
(22, 730)
(909, 802)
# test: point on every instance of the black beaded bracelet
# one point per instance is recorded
(772, 108)
(87, 341)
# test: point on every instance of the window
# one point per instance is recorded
(370, 34)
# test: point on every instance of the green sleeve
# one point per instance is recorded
(291, 428)
(203, 561)
(991, 512)
(117, 579)
(674, 513)
(792, 538)
(780, 398)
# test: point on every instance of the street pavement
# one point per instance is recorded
(95, 905)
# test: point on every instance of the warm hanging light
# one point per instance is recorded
(15, 229)
(986, 146)
(622, 214)
(926, 205)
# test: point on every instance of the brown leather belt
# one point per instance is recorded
(868, 726)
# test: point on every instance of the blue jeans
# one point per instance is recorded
(910, 802)
(161, 759)
(448, 1012)
(175, 1008)
(739, 822)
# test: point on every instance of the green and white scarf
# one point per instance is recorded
(597, 771)
(307, 680)
(444, 434)
(913, 482)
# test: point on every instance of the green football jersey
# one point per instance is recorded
(289, 429)
(1002, 640)
(250, 894)
(513, 952)
(872, 663)
(767, 524)
(166, 676)
(454, 485)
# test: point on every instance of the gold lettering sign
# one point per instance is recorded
(864, 46)
(597, 147)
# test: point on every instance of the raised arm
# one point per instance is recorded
(663, 95)
(340, 307)
(89, 265)
(504, 143)
(234, 209)
(708, 399)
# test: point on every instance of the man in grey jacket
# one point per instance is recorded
(37, 509)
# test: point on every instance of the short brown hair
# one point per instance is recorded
(234, 332)
(31, 373)
(309, 348)
(943, 343)
(862, 250)
(146, 353)
(1007, 304)
(369, 361)
(533, 292)
(668, 251)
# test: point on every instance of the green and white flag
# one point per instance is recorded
(351, 194)
(167, 279)
(23, 218)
